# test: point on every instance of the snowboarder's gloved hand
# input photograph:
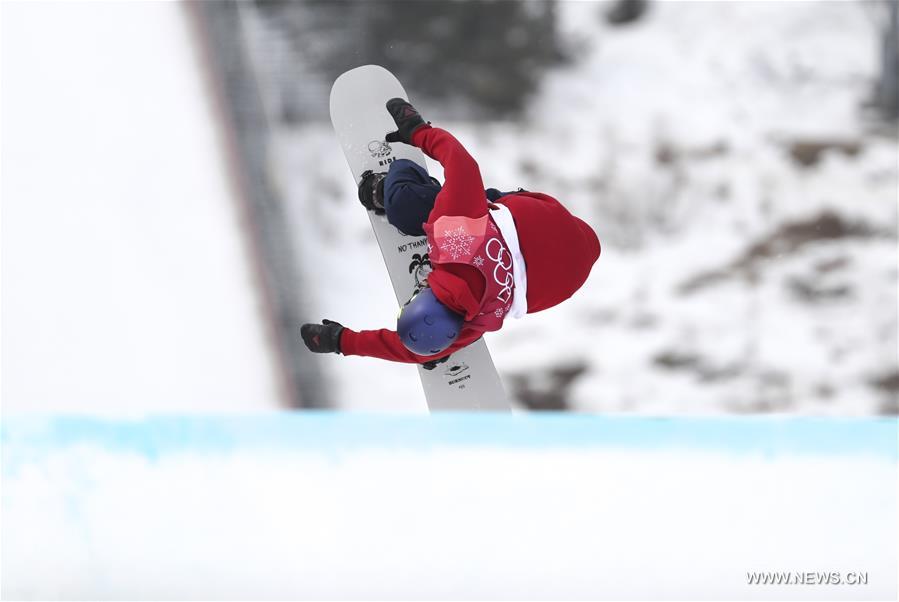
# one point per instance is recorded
(322, 338)
(407, 120)
(433, 363)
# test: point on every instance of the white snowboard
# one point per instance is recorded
(468, 381)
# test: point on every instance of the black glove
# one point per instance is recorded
(322, 338)
(407, 120)
(433, 363)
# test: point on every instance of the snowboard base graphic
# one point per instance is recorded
(468, 380)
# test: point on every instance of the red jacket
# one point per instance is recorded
(559, 250)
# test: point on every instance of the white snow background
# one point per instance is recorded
(126, 282)
(123, 268)
(126, 289)
(672, 138)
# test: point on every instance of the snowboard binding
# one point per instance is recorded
(371, 191)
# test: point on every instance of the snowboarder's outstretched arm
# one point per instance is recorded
(463, 190)
(386, 344)
(332, 337)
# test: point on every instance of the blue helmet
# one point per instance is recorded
(426, 326)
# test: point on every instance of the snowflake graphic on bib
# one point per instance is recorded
(456, 238)
(456, 243)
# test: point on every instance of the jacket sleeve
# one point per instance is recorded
(463, 190)
(386, 344)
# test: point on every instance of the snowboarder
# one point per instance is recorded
(493, 255)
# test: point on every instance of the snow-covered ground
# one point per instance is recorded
(393, 507)
(126, 282)
(734, 278)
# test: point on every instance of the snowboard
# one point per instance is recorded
(468, 380)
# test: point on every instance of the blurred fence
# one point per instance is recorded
(222, 35)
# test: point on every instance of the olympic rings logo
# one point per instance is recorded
(502, 271)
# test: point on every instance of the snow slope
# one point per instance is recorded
(747, 210)
(126, 285)
(352, 505)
